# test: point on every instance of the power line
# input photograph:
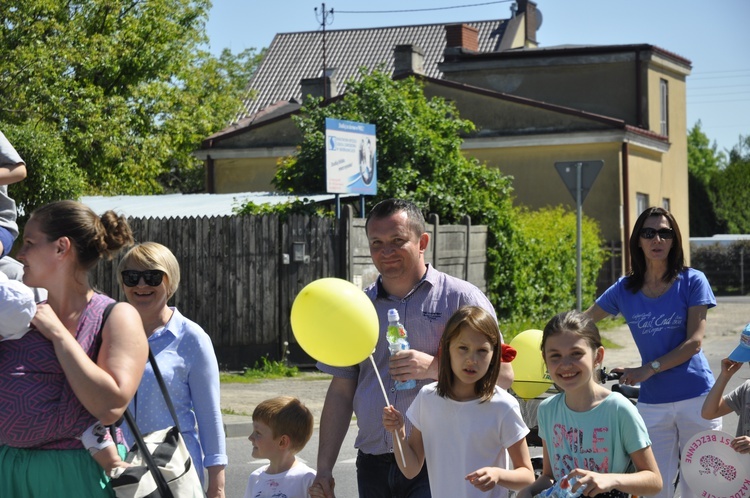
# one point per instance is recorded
(704, 95)
(723, 71)
(691, 88)
(720, 101)
(419, 10)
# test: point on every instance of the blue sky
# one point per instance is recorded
(713, 34)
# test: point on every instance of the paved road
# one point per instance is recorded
(725, 322)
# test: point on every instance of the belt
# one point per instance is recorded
(384, 458)
(612, 494)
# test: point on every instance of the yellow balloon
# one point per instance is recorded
(530, 372)
(335, 322)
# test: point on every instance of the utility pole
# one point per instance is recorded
(323, 19)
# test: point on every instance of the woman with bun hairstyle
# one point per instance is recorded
(71, 369)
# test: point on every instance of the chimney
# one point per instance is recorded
(324, 86)
(533, 19)
(461, 36)
(408, 59)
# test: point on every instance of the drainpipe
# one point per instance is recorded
(638, 91)
(210, 172)
(625, 208)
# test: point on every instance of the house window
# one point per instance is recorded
(664, 107)
(665, 203)
(641, 202)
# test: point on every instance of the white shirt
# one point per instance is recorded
(293, 483)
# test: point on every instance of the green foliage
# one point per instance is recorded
(126, 86)
(545, 263)
(704, 161)
(727, 267)
(284, 209)
(419, 159)
(718, 186)
(51, 172)
(703, 166)
(732, 190)
(265, 369)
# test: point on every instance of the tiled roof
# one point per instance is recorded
(296, 56)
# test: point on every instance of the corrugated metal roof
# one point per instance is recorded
(293, 57)
(188, 205)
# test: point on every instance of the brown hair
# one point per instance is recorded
(675, 258)
(478, 319)
(286, 415)
(576, 323)
(388, 207)
(93, 237)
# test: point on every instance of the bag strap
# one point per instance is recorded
(161, 482)
(163, 387)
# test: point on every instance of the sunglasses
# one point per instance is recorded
(663, 233)
(152, 278)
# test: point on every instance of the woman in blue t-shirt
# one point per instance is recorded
(665, 305)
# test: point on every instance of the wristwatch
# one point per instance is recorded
(656, 366)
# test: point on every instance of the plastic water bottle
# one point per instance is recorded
(397, 342)
(562, 489)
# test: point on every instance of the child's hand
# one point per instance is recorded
(595, 482)
(741, 444)
(730, 367)
(316, 491)
(392, 419)
(484, 479)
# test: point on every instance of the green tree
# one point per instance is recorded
(419, 158)
(704, 163)
(126, 85)
(731, 187)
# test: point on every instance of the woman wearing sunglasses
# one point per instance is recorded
(665, 305)
(149, 275)
(73, 367)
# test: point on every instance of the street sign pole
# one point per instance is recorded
(578, 176)
(579, 235)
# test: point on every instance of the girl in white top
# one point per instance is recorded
(464, 423)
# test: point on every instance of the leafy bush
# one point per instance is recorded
(544, 266)
(284, 209)
(51, 172)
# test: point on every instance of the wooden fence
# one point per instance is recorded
(240, 274)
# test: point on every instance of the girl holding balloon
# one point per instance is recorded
(591, 435)
(463, 423)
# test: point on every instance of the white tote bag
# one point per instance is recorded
(172, 465)
(161, 466)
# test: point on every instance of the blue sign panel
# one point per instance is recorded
(351, 158)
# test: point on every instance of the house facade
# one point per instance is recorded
(532, 106)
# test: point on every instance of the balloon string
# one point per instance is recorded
(388, 403)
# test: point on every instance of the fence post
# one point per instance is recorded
(434, 220)
(467, 223)
(742, 271)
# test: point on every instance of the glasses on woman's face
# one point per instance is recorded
(152, 278)
(663, 233)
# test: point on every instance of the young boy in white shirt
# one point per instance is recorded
(282, 426)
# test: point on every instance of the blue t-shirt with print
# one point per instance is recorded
(658, 326)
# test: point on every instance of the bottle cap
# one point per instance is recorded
(393, 315)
